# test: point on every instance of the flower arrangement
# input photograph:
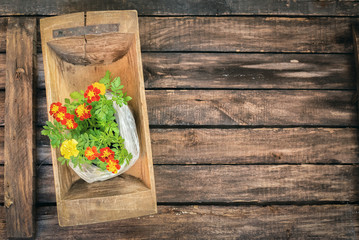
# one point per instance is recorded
(85, 129)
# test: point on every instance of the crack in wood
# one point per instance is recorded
(218, 106)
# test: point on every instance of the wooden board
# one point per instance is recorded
(251, 108)
(246, 34)
(241, 108)
(214, 222)
(3, 27)
(219, 222)
(189, 7)
(248, 71)
(237, 70)
(243, 146)
(356, 57)
(305, 184)
(253, 146)
(19, 179)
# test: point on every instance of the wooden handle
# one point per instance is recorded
(84, 30)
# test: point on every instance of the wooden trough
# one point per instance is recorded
(77, 50)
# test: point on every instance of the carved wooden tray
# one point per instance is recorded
(77, 50)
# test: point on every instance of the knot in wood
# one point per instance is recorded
(8, 201)
(18, 73)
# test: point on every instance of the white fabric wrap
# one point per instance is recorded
(127, 126)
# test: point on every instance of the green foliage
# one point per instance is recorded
(76, 95)
(99, 130)
(54, 132)
(106, 80)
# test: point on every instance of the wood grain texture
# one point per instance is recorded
(19, 176)
(245, 71)
(254, 146)
(240, 108)
(2, 223)
(356, 57)
(189, 7)
(240, 183)
(217, 222)
(241, 146)
(251, 108)
(244, 34)
(247, 34)
(3, 27)
(214, 222)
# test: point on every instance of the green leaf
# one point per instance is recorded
(48, 123)
(75, 95)
(67, 101)
(106, 79)
(45, 132)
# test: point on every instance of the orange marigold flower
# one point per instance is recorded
(91, 153)
(83, 112)
(106, 154)
(92, 94)
(113, 166)
(100, 86)
(61, 113)
(54, 108)
(69, 121)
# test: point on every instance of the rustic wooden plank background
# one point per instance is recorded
(253, 125)
(19, 192)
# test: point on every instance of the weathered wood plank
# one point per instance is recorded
(256, 183)
(250, 108)
(19, 176)
(245, 34)
(217, 70)
(261, 145)
(3, 71)
(245, 71)
(241, 146)
(3, 26)
(216, 222)
(2, 223)
(240, 108)
(356, 57)
(189, 7)
(241, 183)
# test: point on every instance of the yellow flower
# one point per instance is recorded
(100, 86)
(68, 148)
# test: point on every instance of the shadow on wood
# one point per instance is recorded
(93, 49)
